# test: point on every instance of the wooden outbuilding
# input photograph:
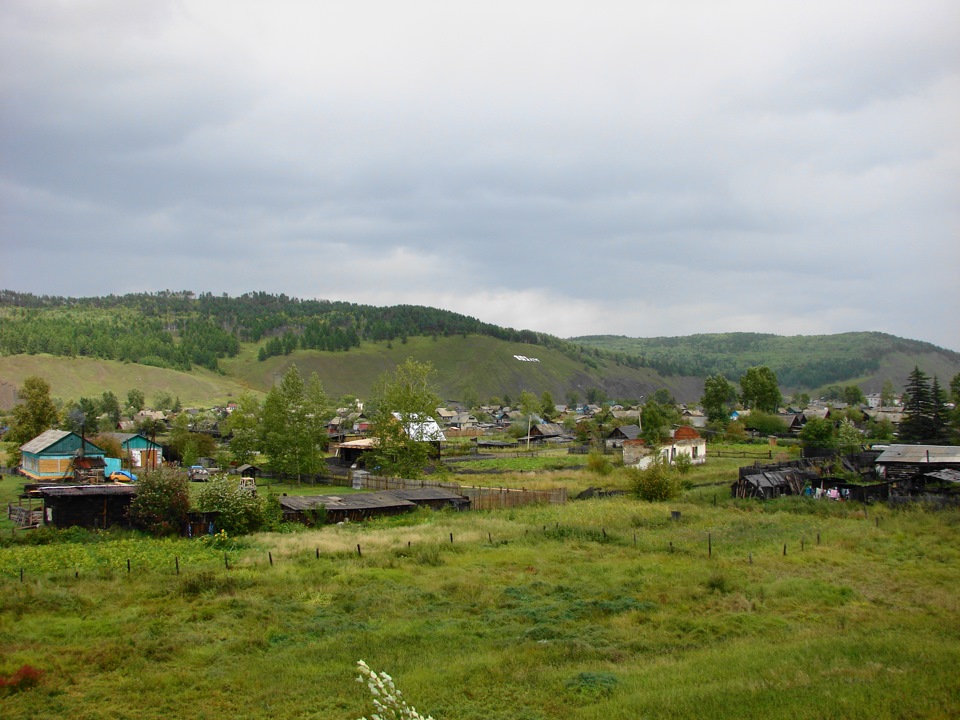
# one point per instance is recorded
(88, 506)
(340, 508)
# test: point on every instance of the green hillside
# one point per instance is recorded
(207, 349)
(73, 378)
(801, 362)
(467, 366)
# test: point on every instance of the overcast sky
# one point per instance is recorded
(636, 168)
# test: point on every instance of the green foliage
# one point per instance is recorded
(404, 400)
(243, 425)
(759, 389)
(599, 463)
(656, 421)
(162, 501)
(188, 444)
(765, 423)
(293, 424)
(683, 463)
(655, 483)
(925, 418)
(241, 510)
(718, 397)
(819, 433)
(35, 414)
(849, 439)
(136, 400)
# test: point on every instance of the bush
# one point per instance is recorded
(241, 510)
(162, 502)
(655, 483)
(24, 678)
(683, 463)
(599, 463)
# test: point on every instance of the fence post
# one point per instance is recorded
(270, 557)
(176, 561)
(128, 566)
(359, 553)
(709, 545)
(226, 561)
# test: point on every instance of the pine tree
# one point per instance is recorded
(917, 425)
(939, 415)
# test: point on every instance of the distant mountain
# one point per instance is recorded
(801, 362)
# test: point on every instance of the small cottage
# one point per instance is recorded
(57, 455)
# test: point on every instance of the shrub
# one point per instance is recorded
(598, 463)
(683, 463)
(241, 510)
(655, 483)
(162, 501)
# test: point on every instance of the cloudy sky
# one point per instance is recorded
(638, 168)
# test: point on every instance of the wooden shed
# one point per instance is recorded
(89, 506)
(355, 507)
(433, 498)
(767, 484)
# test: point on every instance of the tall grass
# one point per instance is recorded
(596, 609)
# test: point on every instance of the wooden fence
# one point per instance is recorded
(481, 498)
(24, 517)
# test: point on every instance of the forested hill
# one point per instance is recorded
(802, 361)
(178, 330)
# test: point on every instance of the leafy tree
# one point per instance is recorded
(135, 400)
(819, 433)
(241, 510)
(109, 444)
(573, 397)
(292, 425)
(718, 398)
(765, 423)
(656, 421)
(110, 406)
(663, 396)
(888, 394)
(849, 439)
(599, 463)
(162, 501)
(36, 414)
(163, 401)
(802, 400)
(188, 444)
(403, 399)
(548, 408)
(243, 424)
(759, 389)
(529, 406)
(880, 431)
(853, 395)
(736, 432)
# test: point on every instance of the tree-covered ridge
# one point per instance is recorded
(799, 361)
(180, 329)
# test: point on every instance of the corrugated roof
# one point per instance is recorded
(356, 501)
(86, 490)
(44, 440)
(920, 454)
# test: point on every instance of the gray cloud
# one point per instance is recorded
(635, 168)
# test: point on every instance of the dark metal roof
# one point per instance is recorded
(427, 493)
(356, 501)
(948, 475)
(85, 490)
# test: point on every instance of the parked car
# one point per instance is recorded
(198, 473)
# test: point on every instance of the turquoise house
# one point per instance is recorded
(55, 455)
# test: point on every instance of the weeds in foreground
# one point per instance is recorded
(387, 700)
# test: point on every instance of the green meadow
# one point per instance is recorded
(593, 609)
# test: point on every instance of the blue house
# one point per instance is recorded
(142, 452)
(55, 455)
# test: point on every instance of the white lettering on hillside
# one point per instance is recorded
(524, 358)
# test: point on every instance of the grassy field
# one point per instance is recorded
(73, 378)
(593, 609)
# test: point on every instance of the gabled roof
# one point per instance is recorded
(630, 432)
(48, 438)
(420, 428)
(547, 430)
